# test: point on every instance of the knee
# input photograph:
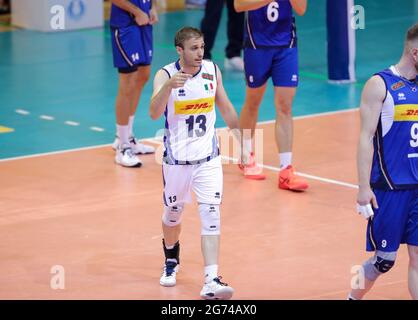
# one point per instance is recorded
(142, 77)
(379, 264)
(127, 87)
(413, 256)
(210, 219)
(172, 215)
(284, 107)
(252, 105)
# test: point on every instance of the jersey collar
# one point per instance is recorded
(178, 68)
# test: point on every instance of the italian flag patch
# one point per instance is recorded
(208, 86)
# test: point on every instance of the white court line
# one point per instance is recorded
(55, 152)
(45, 117)
(309, 176)
(158, 141)
(98, 129)
(22, 112)
(314, 115)
(72, 123)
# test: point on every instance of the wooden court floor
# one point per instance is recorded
(102, 224)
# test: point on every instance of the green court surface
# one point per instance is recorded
(57, 90)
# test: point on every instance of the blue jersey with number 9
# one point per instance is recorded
(395, 159)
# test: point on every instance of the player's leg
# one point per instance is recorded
(248, 122)
(256, 75)
(124, 153)
(210, 24)
(411, 239)
(413, 271)
(135, 46)
(207, 185)
(235, 30)
(177, 180)
(124, 54)
(374, 267)
(285, 80)
(384, 235)
(249, 113)
(283, 100)
(171, 225)
(257, 64)
(142, 77)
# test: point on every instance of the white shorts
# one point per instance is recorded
(206, 180)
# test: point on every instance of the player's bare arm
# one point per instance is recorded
(229, 114)
(162, 90)
(246, 5)
(299, 6)
(370, 108)
(224, 104)
(141, 17)
(153, 19)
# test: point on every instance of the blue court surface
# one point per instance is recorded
(58, 89)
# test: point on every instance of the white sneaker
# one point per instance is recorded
(216, 290)
(125, 158)
(140, 148)
(235, 63)
(168, 278)
(137, 148)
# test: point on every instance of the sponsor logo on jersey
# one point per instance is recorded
(406, 112)
(204, 105)
(398, 85)
(207, 76)
(182, 93)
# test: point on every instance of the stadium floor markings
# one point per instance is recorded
(4, 129)
(52, 118)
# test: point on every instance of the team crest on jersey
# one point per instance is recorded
(207, 76)
(398, 85)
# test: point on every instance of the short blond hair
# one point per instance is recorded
(185, 34)
(412, 33)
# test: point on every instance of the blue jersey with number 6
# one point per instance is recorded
(271, 26)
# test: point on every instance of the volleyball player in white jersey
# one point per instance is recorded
(185, 92)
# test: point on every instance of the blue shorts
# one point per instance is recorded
(132, 47)
(395, 222)
(281, 64)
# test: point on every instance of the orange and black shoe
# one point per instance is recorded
(289, 181)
